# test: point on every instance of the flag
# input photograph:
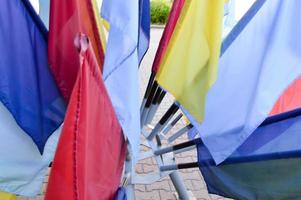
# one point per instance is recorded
(22, 167)
(189, 67)
(144, 30)
(31, 108)
(266, 166)
(91, 151)
(252, 75)
(68, 18)
(27, 88)
(44, 11)
(167, 33)
(7, 196)
(121, 66)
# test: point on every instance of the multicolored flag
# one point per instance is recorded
(121, 65)
(167, 33)
(31, 107)
(91, 151)
(189, 66)
(266, 166)
(68, 18)
(252, 75)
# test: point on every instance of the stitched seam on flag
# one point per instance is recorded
(119, 64)
(75, 132)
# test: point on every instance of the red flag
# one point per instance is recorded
(168, 31)
(67, 18)
(91, 151)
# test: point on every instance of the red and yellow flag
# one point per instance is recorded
(189, 66)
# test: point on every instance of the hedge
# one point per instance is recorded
(159, 11)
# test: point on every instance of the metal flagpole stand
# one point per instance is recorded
(154, 144)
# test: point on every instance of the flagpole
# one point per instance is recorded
(163, 121)
(148, 90)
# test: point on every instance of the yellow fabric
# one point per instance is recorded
(189, 67)
(7, 196)
(106, 25)
(100, 24)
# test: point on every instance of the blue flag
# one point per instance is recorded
(121, 65)
(27, 88)
(144, 33)
(266, 166)
(261, 59)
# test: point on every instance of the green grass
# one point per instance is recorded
(159, 11)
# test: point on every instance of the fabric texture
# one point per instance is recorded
(144, 32)
(91, 151)
(121, 66)
(189, 67)
(27, 87)
(250, 84)
(266, 166)
(167, 33)
(67, 19)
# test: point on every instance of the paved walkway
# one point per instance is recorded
(164, 189)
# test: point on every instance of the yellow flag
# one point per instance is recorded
(7, 196)
(189, 67)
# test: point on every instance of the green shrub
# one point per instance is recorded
(159, 11)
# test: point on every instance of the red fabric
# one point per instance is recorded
(290, 100)
(91, 151)
(67, 19)
(169, 28)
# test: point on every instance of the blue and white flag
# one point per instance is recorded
(121, 65)
(27, 87)
(261, 59)
(31, 108)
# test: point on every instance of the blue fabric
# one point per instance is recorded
(121, 66)
(256, 68)
(265, 166)
(121, 194)
(27, 88)
(144, 33)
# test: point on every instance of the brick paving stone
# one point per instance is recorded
(167, 195)
(153, 195)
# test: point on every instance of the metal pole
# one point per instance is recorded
(179, 185)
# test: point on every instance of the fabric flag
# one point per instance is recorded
(91, 152)
(68, 18)
(44, 11)
(31, 107)
(189, 66)
(266, 166)
(144, 32)
(121, 194)
(167, 33)
(261, 59)
(27, 88)
(121, 66)
(7, 196)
